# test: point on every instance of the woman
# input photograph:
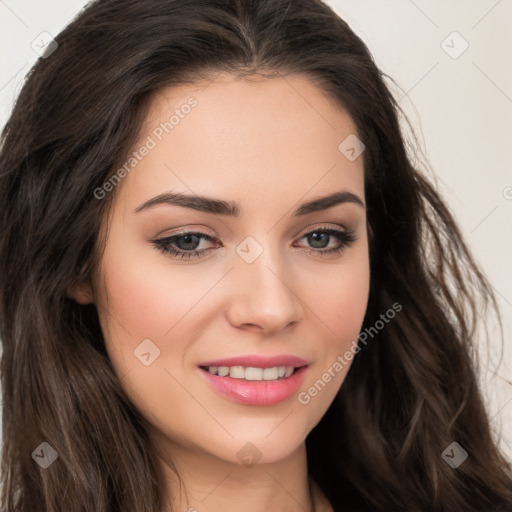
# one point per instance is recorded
(224, 284)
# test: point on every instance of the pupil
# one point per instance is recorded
(189, 239)
(317, 237)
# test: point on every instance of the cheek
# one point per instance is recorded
(341, 307)
(342, 299)
(145, 303)
(142, 299)
(145, 296)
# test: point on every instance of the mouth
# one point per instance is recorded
(258, 382)
(252, 373)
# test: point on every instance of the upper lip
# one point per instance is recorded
(257, 361)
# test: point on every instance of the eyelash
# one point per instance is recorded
(164, 244)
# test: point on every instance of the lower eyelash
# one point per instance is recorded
(164, 244)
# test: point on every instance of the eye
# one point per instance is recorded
(320, 238)
(187, 245)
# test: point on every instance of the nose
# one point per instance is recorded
(264, 298)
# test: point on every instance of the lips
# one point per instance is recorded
(254, 379)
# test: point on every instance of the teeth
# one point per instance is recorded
(223, 371)
(237, 372)
(270, 373)
(251, 373)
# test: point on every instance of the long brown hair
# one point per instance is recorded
(410, 392)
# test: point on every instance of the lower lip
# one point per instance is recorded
(257, 392)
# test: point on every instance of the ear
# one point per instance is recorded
(81, 293)
(80, 289)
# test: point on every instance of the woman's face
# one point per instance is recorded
(253, 284)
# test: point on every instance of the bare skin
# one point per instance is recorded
(270, 145)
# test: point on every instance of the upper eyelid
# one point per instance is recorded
(324, 226)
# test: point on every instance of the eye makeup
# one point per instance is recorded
(176, 245)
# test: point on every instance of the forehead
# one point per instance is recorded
(244, 137)
(248, 103)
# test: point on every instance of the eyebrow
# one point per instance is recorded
(232, 209)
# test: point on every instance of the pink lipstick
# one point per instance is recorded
(255, 380)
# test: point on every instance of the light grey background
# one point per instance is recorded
(460, 104)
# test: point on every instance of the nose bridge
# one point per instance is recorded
(264, 286)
